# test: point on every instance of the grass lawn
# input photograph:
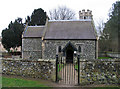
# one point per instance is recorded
(17, 82)
(104, 58)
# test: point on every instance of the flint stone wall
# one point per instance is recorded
(104, 71)
(26, 68)
(88, 48)
(32, 48)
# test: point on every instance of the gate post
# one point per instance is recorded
(78, 69)
(56, 68)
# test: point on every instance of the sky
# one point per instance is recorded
(12, 9)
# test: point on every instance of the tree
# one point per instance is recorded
(12, 36)
(62, 13)
(100, 27)
(111, 30)
(38, 17)
(102, 37)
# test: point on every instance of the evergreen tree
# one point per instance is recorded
(38, 17)
(12, 36)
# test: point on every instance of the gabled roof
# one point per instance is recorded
(33, 31)
(79, 29)
(63, 29)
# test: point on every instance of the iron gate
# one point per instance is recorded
(67, 72)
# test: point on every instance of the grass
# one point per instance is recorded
(17, 82)
(60, 66)
(76, 66)
(104, 58)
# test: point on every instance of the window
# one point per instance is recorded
(84, 17)
(59, 49)
(79, 49)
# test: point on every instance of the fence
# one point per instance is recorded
(10, 54)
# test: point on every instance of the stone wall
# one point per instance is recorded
(32, 48)
(26, 68)
(105, 71)
(88, 48)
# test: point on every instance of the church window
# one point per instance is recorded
(84, 17)
(59, 49)
(79, 49)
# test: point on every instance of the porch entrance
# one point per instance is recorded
(68, 50)
(67, 68)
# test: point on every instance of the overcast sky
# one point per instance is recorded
(12, 9)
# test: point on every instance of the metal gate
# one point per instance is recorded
(67, 72)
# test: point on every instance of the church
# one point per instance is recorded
(65, 37)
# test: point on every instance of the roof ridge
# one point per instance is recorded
(37, 26)
(69, 20)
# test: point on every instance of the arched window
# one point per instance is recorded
(59, 49)
(84, 17)
(79, 49)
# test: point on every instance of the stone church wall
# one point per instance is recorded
(32, 48)
(88, 48)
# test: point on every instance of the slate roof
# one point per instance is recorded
(33, 31)
(63, 29)
(70, 30)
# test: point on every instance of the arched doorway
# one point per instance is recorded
(69, 56)
(69, 52)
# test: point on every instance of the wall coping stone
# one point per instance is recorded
(49, 60)
(53, 60)
(39, 60)
(103, 60)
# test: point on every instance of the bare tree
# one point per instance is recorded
(62, 13)
(100, 27)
